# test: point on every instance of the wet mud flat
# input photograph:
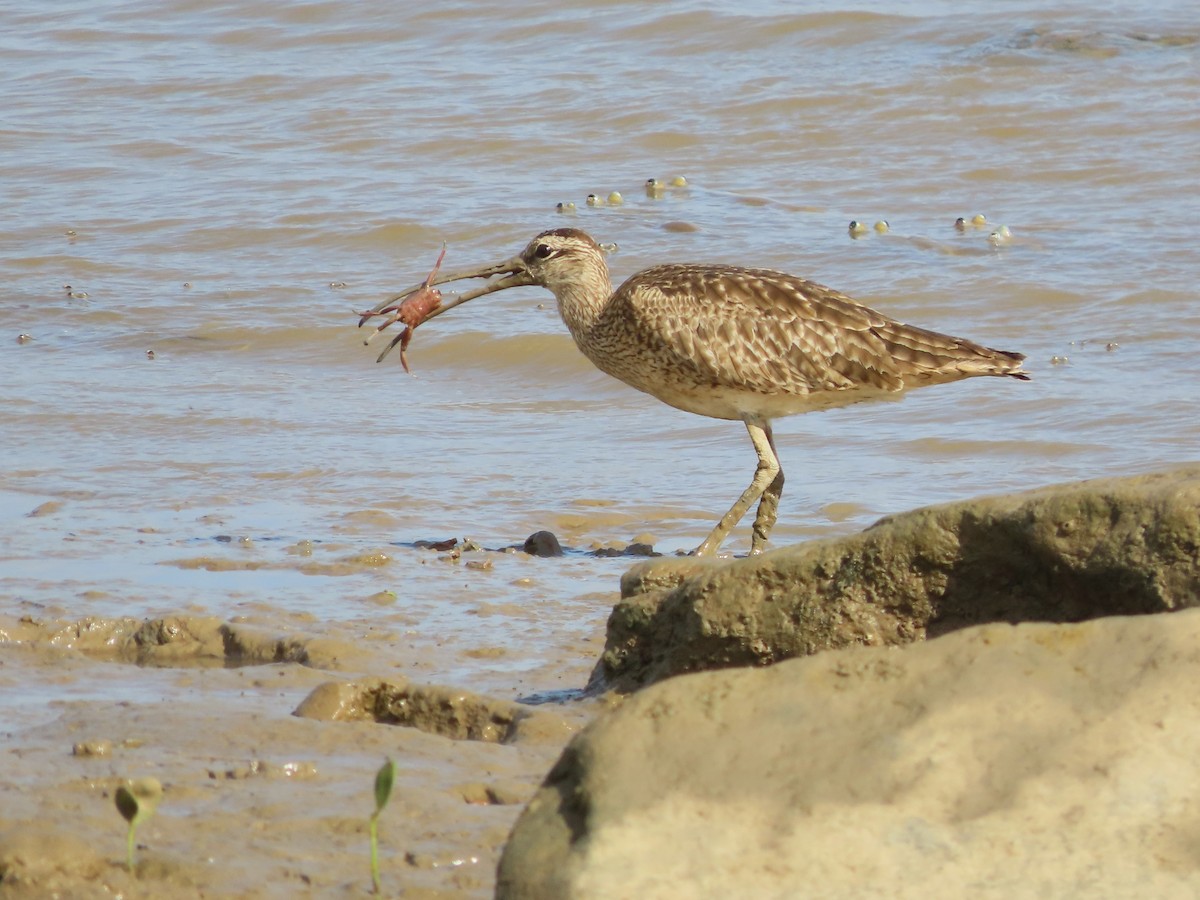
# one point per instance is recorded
(266, 732)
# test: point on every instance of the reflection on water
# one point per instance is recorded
(227, 185)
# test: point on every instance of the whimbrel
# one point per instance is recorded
(732, 343)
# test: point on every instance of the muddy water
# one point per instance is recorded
(196, 200)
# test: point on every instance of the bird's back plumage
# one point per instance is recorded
(783, 344)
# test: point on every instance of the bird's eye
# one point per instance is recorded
(541, 251)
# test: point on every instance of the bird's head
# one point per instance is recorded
(561, 257)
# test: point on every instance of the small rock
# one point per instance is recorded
(441, 861)
(446, 711)
(543, 543)
(258, 768)
(92, 748)
(439, 546)
(635, 548)
(480, 794)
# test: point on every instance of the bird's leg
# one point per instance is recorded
(768, 506)
(764, 475)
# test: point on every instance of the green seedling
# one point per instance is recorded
(136, 803)
(384, 779)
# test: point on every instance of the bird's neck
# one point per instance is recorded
(581, 301)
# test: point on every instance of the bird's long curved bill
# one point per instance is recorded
(513, 274)
(512, 269)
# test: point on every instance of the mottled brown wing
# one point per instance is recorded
(775, 333)
(761, 330)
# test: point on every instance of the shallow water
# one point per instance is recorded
(224, 186)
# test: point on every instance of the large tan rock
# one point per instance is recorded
(1063, 554)
(995, 762)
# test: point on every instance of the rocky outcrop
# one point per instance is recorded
(178, 640)
(450, 712)
(998, 761)
(1063, 554)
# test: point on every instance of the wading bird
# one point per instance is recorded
(729, 342)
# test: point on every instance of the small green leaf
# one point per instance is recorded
(384, 779)
(127, 804)
(136, 802)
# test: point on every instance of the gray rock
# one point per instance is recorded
(1029, 761)
(1062, 554)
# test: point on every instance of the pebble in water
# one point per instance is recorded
(543, 543)
(95, 748)
(976, 221)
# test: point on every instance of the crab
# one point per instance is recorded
(411, 309)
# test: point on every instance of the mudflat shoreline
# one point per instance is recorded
(267, 734)
(259, 802)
